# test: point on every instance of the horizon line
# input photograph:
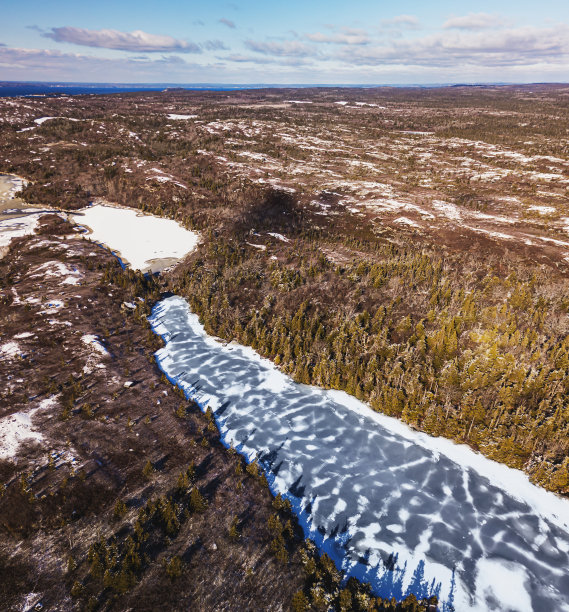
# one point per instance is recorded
(272, 85)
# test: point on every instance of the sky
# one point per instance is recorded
(289, 41)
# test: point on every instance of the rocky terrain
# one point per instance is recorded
(460, 167)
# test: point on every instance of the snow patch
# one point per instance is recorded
(51, 306)
(95, 343)
(57, 269)
(278, 236)
(181, 117)
(406, 221)
(10, 350)
(542, 210)
(447, 209)
(15, 429)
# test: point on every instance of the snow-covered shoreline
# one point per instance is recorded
(10, 184)
(506, 538)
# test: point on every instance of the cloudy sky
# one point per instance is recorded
(292, 41)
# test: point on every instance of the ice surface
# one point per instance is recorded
(395, 507)
(15, 183)
(44, 119)
(140, 239)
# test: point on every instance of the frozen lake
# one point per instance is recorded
(17, 218)
(146, 242)
(397, 508)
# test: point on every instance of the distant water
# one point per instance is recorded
(16, 88)
(11, 90)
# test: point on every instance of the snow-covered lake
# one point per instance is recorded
(146, 242)
(394, 507)
(16, 217)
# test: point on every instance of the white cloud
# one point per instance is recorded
(409, 21)
(246, 59)
(525, 46)
(285, 49)
(451, 54)
(474, 21)
(346, 36)
(124, 41)
(47, 64)
(228, 23)
(214, 45)
(260, 61)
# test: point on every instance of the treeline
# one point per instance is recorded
(467, 350)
